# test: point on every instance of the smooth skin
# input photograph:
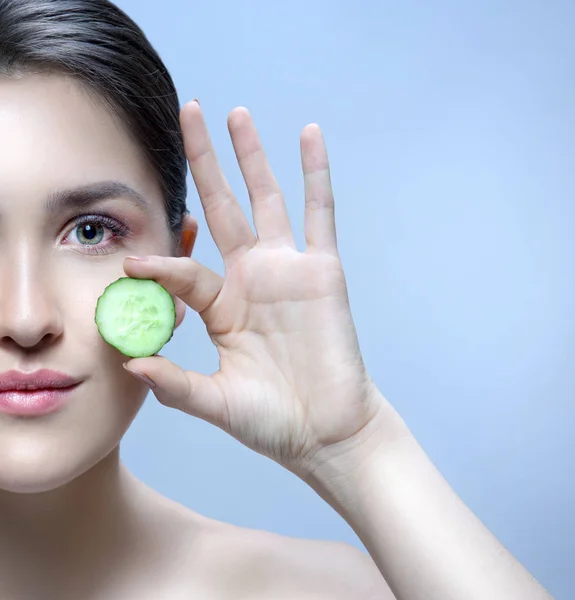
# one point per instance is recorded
(291, 385)
(74, 523)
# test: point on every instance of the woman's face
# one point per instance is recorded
(58, 251)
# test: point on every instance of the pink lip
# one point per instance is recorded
(34, 394)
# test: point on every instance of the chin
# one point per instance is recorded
(30, 482)
(30, 465)
(44, 454)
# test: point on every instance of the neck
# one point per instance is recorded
(78, 530)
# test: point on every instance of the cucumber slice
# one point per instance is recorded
(136, 316)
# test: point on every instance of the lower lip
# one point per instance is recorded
(34, 403)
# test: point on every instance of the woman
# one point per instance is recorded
(92, 171)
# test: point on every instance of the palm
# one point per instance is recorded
(289, 361)
(291, 379)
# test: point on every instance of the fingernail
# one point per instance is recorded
(141, 377)
(138, 258)
(195, 100)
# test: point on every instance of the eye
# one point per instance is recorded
(89, 233)
(96, 233)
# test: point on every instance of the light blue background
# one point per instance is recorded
(451, 132)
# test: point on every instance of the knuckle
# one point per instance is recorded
(185, 283)
(319, 203)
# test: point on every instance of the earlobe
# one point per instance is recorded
(189, 235)
(187, 242)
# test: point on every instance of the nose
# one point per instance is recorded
(29, 314)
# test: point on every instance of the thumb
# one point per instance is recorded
(193, 393)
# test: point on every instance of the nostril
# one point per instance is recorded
(29, 342)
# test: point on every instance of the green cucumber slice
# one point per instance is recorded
(136, 316)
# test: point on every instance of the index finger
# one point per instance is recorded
(225, 218)
(182, 276)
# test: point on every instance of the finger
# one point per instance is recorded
(184, 277)
(225, 218)
(320, 233)
(270, 214)
(193, 393)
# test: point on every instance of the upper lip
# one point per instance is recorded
(44, 379)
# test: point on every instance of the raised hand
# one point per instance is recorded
(291, 382)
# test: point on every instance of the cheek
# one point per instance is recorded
(78, 308)
(94, 358)
(82, 338)
(119, 393)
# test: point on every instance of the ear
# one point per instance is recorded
(189, 235)
(188, 240)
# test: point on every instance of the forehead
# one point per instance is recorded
(56, 134)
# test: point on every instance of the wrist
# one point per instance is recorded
(342, 473)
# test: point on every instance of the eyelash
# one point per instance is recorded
(118, 229)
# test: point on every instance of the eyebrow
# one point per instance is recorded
(87, 195)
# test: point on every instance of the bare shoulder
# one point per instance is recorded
(255, 564)
(189, 555)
